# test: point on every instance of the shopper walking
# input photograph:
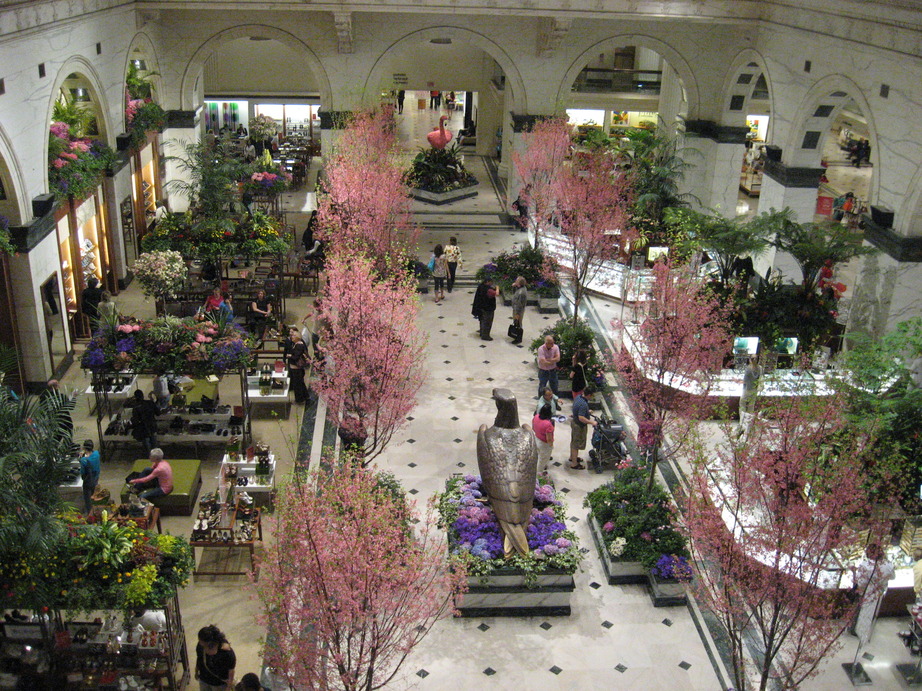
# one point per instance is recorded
(298, 362)
(543, 427)
(484, 307)
(548, 357)
(89, 473)
(519, 300)
(401, 97)
(453, 259)
(439, 273)
(579, 426)
(215, 661)
(433, 96)
(144, 421)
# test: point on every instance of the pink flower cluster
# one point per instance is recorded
(128, 328)
(134, 105)
(61, 130)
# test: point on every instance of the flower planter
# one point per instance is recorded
(442, 198)
(666, 593)
(507, 298)
(548, 305)
(504, 594)
(617, 571)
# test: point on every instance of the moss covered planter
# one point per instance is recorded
(505, 594)
(617, 572)
(666, 593)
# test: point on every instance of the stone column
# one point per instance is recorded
(788, 187)
(182, 127)
(716, 154)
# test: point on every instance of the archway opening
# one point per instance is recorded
(623, 88)
(9, 205)
(235, 93)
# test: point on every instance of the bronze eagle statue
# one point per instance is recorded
(508, 459)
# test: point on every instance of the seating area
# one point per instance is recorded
(187, 480)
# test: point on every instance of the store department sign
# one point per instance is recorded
(400, 79)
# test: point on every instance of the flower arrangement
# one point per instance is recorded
(168, 344)
(262, 127)
(267, 182)
(440, 170)
(476, 540)
(162, 273)
(672, 567)
(102, 565)
(538, 269)
(142, 115)
(637, 523)
(75, 163)
(254, 235)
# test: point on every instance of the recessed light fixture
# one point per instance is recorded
(441, 41)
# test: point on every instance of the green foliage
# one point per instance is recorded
(813, 244)
(205, 237)
(79, 118)
(439, 170)
(572, 335)
(148, 117)
(538, 270)
(210, 180)
(642, 515)
(138, 84)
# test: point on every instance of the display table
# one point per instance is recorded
(228, 529)
(200, 388)
(187, 480)
(274, 395)
(259, 486)
(177, 425)
(118, 390)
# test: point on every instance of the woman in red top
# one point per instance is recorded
(544, 437)
(213, 301)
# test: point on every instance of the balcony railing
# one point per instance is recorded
(600, 80)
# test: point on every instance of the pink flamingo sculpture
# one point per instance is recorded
(439, 137)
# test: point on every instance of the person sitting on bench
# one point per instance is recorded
(157, 479)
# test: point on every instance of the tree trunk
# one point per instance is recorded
(652, 460)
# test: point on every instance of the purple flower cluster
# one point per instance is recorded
(125, 345)
(94, 357)
(228, 354)
(671, 567)
(477, 531)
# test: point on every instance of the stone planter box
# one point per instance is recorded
(532, 300)
(548, 305)
(617, 571)
(422, 285)
(666, 593)
(442, 198)
(506, 595)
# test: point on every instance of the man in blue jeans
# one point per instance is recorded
(548, 357)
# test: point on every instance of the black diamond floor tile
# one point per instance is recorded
(574, 519)
(484, 627)
(449, 379)
(442, 331)
(685, 665)
(446, 362)
(482, 345)
(422, 674)
(460, 464)
(868, 657)
(667, 622)
(441, 317)
(595, 586)
(444, 346)
(546, 625)
(565, 490)
(410, 418)
(454, 418)
(451, 398)
(411, 441)
(556, 464)
(489, 671)
(456, 441)
(607, 624)
(411, 465)
(555, 670)
(486, 362)
(621, 668)
(489, 378)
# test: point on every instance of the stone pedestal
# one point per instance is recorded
(505, 594)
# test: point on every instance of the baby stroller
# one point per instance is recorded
(608, 447)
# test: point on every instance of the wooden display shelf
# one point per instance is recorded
(214, 539)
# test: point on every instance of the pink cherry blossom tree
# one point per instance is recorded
(349, 586)
(547, 147)
(592, 204)
(672, 357)
(375, 351)
(364, 201)
(769, 514)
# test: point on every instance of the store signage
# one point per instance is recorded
(400, 79)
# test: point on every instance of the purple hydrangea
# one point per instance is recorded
(125, 345)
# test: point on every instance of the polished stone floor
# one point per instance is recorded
(614, 639)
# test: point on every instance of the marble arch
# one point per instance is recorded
(810, 126)
(669, 54)
(747, 61)
(14, 185)
(197, 62)
(142, 47)
(513, 77)
(79, 65)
